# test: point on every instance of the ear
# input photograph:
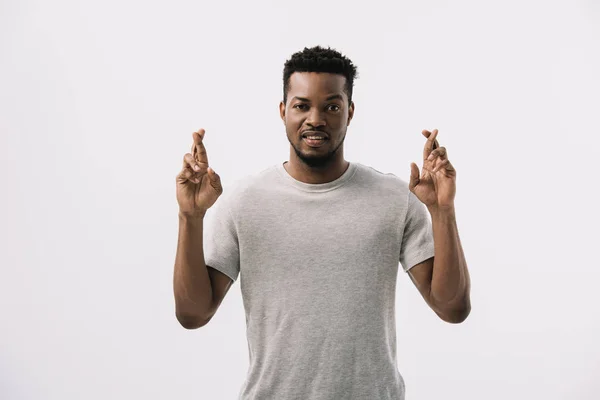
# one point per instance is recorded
(350, 113)
(282, 111)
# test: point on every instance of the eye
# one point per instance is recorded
(300, 106)
(335, 107)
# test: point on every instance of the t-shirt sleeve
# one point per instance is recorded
(417, 239)
(221, 245)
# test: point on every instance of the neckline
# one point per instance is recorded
(317, 187)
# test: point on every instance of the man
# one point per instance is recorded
(317, 241)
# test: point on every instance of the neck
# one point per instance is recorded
(307, 174)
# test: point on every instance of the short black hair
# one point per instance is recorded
(319, 59)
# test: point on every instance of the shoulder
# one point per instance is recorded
(247, 188)
(253, 181)
(387, 182)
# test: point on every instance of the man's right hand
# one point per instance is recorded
(198, 185)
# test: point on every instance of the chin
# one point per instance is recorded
(315, 161)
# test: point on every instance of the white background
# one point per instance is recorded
(98, 101)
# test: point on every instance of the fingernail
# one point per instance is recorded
(430, 157)
(196, 167)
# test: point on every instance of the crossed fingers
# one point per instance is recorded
(435, 158)
(195, 163)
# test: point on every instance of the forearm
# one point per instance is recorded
(450, 282)
(191, 282)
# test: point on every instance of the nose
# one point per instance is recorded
(315, 118)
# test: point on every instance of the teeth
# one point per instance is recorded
(314, 137)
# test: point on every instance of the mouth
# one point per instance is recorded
(314, 141)
(314, 138)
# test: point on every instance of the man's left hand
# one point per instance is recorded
(436, 187)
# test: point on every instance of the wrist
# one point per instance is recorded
(192, 215)
(442, 210)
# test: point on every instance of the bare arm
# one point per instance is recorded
(444, 280)
(191, 283)
(450, 281)
(198, 289)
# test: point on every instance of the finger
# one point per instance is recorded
(444, 164)
(215, 180)
(426, 133)
(435, 142)
(449, 168)
(431, 143)
(197, 136)
(441, 153)
(199, 151)
(414, 176)
(185, 175)
(190, 162)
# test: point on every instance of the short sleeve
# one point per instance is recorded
(417, 238)
(221, 245)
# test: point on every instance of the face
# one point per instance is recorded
(317, 105)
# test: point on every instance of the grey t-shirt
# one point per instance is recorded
(318, 266)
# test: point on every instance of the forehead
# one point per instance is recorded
(316, 84)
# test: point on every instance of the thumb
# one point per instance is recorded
(414, 176)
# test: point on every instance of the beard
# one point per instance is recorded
(317, 161)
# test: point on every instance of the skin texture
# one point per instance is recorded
(443, 280)
(198, 186)
(316, 102)
(198, 288)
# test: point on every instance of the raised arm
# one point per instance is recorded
(443, 280)
(198, 289)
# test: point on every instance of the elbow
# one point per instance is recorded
(456, 315)
(190, 316)
(191, 321)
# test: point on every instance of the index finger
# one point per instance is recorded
(198, 149)
(431, 143)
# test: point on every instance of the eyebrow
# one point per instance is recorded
(332, 97)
